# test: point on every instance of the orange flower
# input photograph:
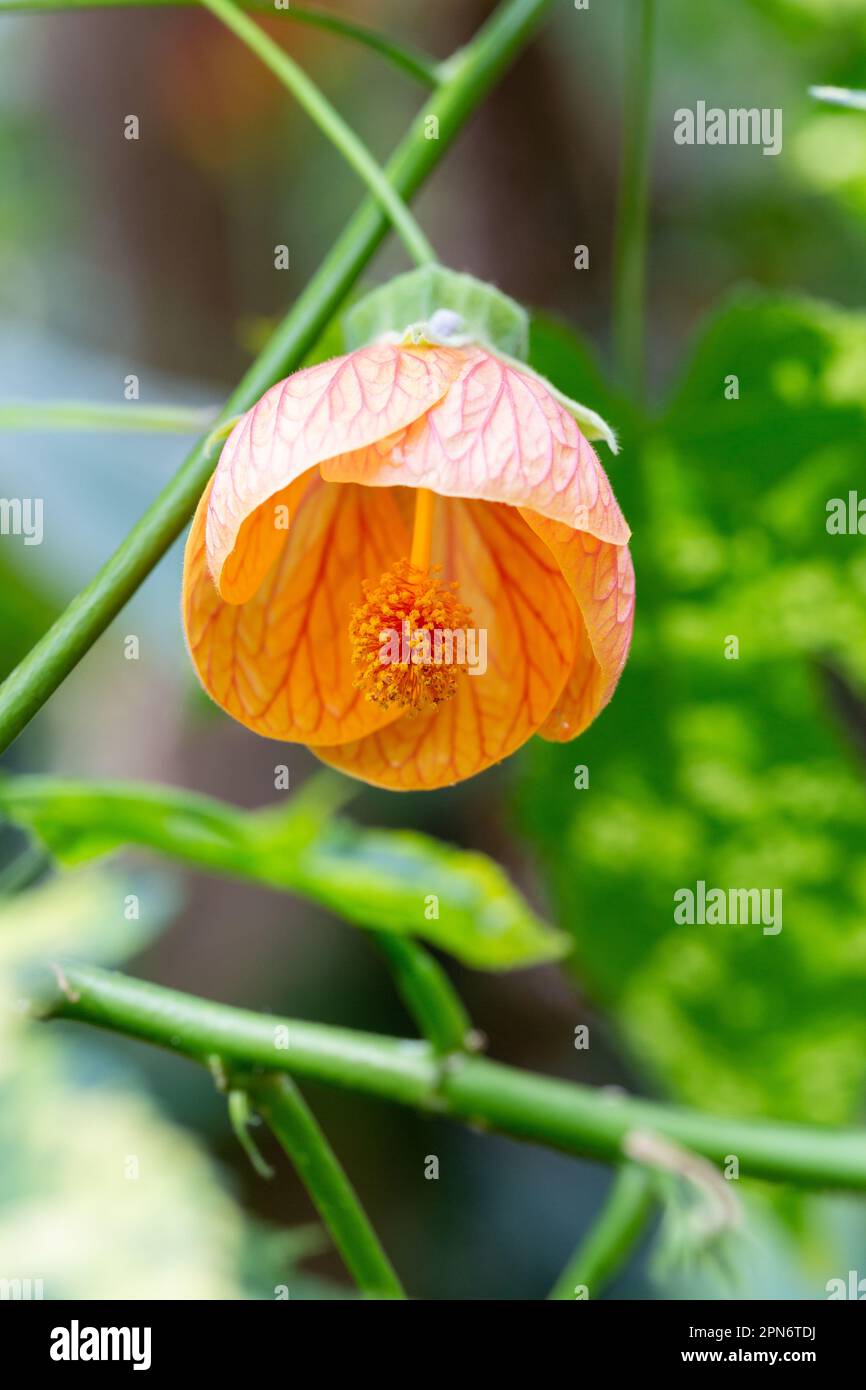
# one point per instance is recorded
(416, 490)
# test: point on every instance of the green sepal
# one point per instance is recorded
(435, 305)
(404, 309)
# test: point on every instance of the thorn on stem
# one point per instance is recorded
(241, 1117)
(63, 984)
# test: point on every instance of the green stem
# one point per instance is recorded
(427, 992)
(281, 1104)
(329, 121)
(631, 234)
(96, 416)
(470, 75)
(578, 1119)
(599, 1256)
(403, 56)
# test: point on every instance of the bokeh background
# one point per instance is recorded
(155, 257)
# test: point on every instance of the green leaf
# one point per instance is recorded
(83, 915)
(740, 773)
(99, 1169)
(80, 914)
(559, 353)
(98, 1166)
(560, 359)
(383, 880)
(743, 488)
(465, 309)
(27, 610)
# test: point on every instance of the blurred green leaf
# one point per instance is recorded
(740, 487)
(96, 1167)
(827, 154)
(100, 1193)
(83, 914)
(397, 881)
(26, 612)
(818, 16)
(558, 354)
(740, 773)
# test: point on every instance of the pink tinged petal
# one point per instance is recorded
(500, 436)
(337, 406)
(601, 578)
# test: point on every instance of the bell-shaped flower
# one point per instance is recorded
(409, 559)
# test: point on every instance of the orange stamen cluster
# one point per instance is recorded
(403, 639)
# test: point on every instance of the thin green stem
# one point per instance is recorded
(282, 1106)
(427, 992)
(610, 1241)
(97, 417)
(470, 75)
(631, 233)
(330, 122)
(578, 1119)
(406, 57)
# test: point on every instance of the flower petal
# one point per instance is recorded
(281, 662)
(516, 592)
(340, 405)
(601, 577)
(498, 434)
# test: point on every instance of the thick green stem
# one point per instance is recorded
(609, 1243)
(631, 233)
(283, 1107)
(404, 56)
(329, 121)
(469, 76)
(578, 1119)
(427, 992)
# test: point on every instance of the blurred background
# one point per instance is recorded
(155, 257)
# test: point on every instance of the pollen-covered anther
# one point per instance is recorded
(409, 639)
